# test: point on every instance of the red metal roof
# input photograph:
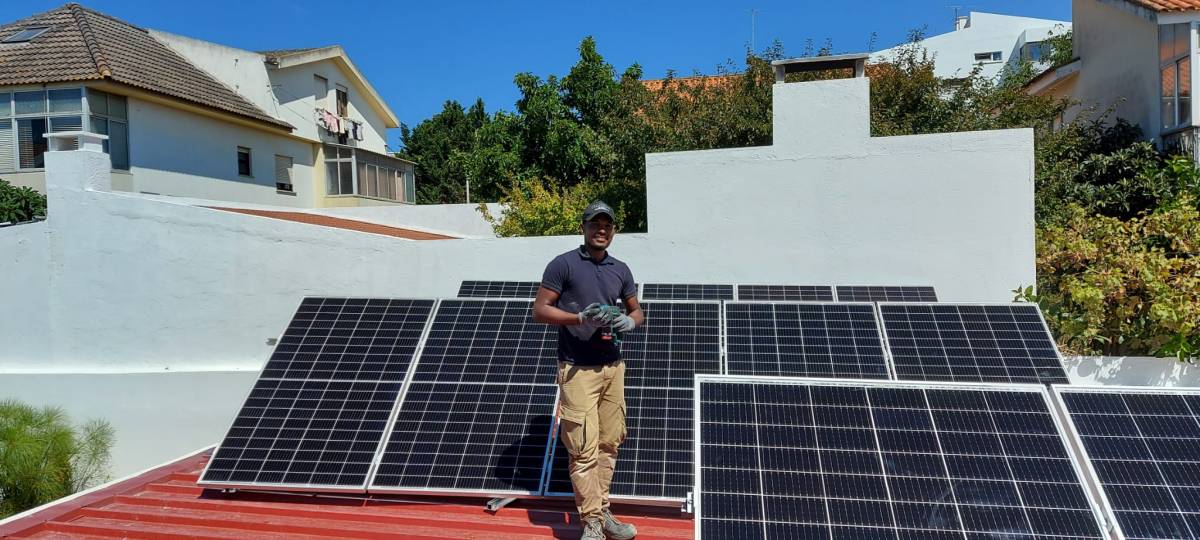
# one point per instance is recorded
(339, 223)
(167, 503)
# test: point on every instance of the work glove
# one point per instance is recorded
(592, 316)
(622, 323)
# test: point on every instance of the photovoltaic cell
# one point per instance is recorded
(1144, 447)
(498, 289)
(478, 414)
(971, 343)
(469, 437)
(678, 341)
(786, 293)
(319, 410)
(681, 291)
(369, 339)
(891, 293)
(807, 339)
(841, 459)
(494, 341)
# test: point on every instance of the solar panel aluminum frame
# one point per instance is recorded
(323, 488)
(883, 344)
(836, 299)
(457, 297)
(1064, 436)
(389, 429)
(652, 501)
(1079, 450)
(883, 329)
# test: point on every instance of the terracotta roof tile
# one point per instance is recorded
(338, 223)
(167, 503)
(83, 44)
(1168, 5)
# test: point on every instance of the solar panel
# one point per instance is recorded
(316, 416)
(971, 343)
(478, 414)
(804, 339)
(679, 340)
(682, 291)
(813, 458)
(1143, 445)
(890, 293)
(786, 293)
(499, 289)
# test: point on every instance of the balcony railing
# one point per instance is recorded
(1183, 142)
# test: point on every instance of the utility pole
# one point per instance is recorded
(753, 15)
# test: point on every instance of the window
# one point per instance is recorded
(343, 101)
(26, 34)
(108, 116)
(320, 90)
(356, 172)
(1175, 74)
(283, 173)
(993, 56)
(243, 161)
(1035, 51)
(25, 118)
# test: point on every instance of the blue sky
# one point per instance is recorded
(419, 54)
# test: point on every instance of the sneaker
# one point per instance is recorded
(593, 529)
(617, 530)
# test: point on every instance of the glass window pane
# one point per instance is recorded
(5, 104)
(66, 100)
(1166, 42)
(1182, 33)
(6, 145)
(67, 123)
(1168, 96)
(116, 106)
(362, 178)
(30, 102)
(410, 187)
(346, 174)
(331, 178)
(1185, 91)
(31, 142)
(118, 139)
(97, 101)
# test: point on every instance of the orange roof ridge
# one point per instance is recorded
(338, 223)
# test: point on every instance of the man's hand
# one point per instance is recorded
(592, 315)
(622, 323)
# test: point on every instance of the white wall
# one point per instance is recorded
(174, 152)
(1131, 371)
(295, 92)
(24, 284)
(954, 52)
(1117, 71)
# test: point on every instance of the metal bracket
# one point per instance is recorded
(687, 507)
(496, 504)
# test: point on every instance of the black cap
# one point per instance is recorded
(597, 208)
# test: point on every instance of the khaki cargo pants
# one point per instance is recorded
(592, 426)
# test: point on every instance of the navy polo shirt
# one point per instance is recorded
(580, 282)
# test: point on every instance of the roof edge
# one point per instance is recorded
(89, 40)
(338, 54)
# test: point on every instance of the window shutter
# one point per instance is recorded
(283, 173)
(6, 146)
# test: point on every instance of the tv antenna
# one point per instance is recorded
(753, 17)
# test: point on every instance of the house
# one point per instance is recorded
(190, 118)
(1136, 57)
(989, 41)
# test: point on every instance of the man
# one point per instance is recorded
(591, 375)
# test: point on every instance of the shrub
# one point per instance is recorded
(19, 204)
(1120, 287)
(533, 208)
(43, 458)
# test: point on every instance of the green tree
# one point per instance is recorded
(43, 458)
(19, 204)
(432, 145)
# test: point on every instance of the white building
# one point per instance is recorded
(987, 40)
(1136, 56)
(190, 118)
